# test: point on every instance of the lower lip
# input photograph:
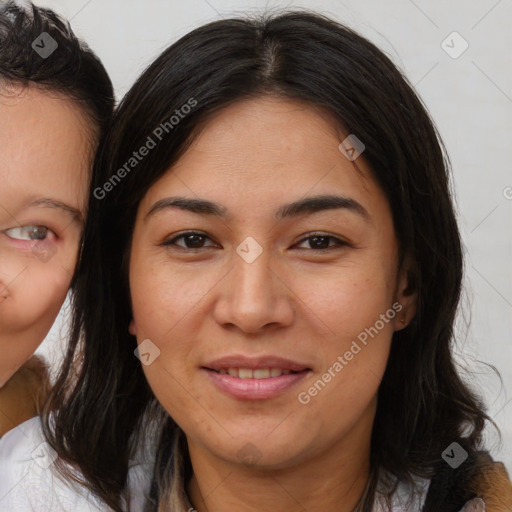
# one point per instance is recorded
(255, 389)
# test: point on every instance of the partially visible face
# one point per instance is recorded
(45, 156)
(260, 319)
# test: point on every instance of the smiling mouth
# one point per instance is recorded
(255, 378)
(258, 373)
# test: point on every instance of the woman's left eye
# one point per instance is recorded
(321, 241)
(28, 233)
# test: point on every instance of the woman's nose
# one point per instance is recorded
(253, 295)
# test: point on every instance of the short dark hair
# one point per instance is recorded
(72, 70)
(423, 403)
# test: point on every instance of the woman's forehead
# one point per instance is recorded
(267, 146)
(292, 117)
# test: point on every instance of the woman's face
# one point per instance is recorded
(266, 334)
(44, 162)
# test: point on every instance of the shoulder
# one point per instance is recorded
(478, 483)
(493, 485)
(413, 496)
(28, 479)
(21, 396)
(406, 496)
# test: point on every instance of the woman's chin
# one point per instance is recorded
(257, 451)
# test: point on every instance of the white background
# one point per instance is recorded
(470, 98)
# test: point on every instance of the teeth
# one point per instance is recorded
(263, 373)
(244, 373)
(260, 373)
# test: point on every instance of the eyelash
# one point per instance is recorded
(339, 243)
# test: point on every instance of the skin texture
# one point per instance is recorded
(293, 301)
(45, 157)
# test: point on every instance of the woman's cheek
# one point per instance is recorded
(40, 294)
(27, 313)
(162, 295)
(358, 313)
(14, 286)
(347, 301)
(35, 291)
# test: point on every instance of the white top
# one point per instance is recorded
(29, 482)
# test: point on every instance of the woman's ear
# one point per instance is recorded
(132, 328)
(406, 294)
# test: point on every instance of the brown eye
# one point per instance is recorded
(322, 241)
(191, 239)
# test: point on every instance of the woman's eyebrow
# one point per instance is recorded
(311, 204)
(318, 203)
(46, 202)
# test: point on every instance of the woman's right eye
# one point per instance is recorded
(28, 233)
(192, 240)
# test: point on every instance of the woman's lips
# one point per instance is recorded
(252, 388)
(254, 363)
